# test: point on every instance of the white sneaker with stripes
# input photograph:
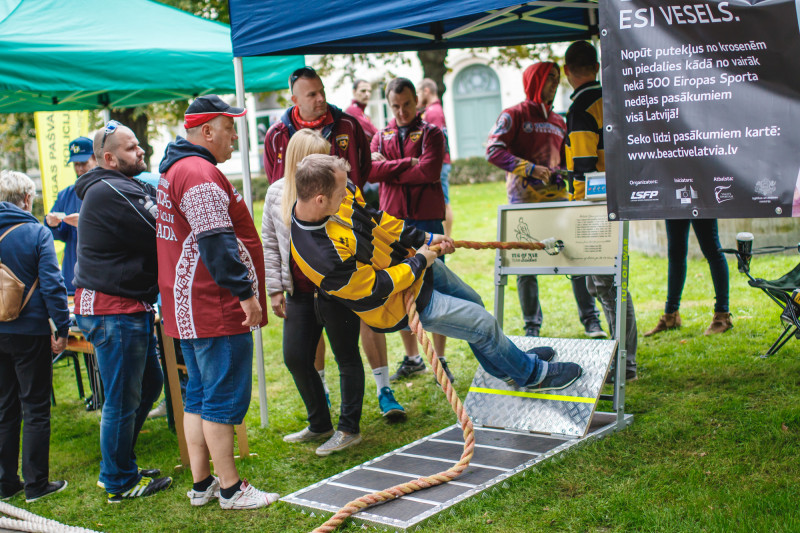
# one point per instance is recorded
(248, 497)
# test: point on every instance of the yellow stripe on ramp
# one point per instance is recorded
(537, 395)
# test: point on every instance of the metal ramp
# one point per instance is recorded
(514, 430)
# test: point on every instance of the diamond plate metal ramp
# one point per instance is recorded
(501, 452)
(491, 402)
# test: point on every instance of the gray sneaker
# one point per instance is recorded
(338, 442)
(408, 368)
(306, 435)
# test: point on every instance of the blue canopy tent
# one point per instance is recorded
(340, 27)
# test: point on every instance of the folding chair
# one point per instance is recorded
(784, 291)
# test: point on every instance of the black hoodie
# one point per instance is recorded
(117, 235)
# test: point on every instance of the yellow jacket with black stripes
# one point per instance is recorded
(584, 149)
(365, 259)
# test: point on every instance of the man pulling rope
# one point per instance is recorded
(365, 259)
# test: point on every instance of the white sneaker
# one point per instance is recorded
(248, 497)
(199, 498)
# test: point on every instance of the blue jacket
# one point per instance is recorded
(69, 203)
(28, 251)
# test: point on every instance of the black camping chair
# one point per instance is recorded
(784, 291)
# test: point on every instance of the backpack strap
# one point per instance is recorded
(9, 230)
(35, 283)
(30, 293)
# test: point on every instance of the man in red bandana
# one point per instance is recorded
(311, 110)
(348, 141)
(528, 143)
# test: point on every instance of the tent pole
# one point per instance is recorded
(106, 114)
(244, 150)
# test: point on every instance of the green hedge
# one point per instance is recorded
(474, 170)
(259, 185)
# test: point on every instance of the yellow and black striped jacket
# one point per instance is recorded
(584, 149)
(365, 259)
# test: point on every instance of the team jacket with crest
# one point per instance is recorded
(345, 134)
(584, 150)
(410, 192)
(364, 259)
(209, 252)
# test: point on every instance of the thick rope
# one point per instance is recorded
(457, 469)
(32, 523)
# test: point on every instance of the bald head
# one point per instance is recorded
(117, 148)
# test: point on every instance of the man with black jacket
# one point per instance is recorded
(116, 280)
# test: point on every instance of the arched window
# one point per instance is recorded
(477, 105)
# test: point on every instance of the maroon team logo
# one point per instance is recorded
(343, 141)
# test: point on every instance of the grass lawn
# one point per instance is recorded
(714, 445)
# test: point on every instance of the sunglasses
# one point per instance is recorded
(111, 127)
(305, 72)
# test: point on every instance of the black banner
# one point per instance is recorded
(702, 108)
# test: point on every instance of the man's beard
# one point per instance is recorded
(131, 170)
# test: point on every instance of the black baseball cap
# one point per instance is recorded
(205, 108)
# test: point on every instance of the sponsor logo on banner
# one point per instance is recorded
(765, 189)
(342, 141)
(644, 196)
(722, 194)
(686, 194)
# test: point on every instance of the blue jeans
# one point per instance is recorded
(220, 377)
(132, 379)
(677, 250)
(455, 310)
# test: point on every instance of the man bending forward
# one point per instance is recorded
(365, 258)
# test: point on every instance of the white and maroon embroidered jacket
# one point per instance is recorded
(194, 198)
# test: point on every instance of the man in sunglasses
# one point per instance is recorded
(116, 285)
(311, 110)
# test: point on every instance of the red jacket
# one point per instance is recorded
(410, 192)
(435, 115)
(356, 110)
(529, 134)
(345, 134)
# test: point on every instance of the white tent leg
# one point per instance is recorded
(244, 150)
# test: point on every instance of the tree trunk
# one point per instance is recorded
(433, 67)
(136, 120)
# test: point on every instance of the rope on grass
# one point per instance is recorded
(361, 503)
(26, 521)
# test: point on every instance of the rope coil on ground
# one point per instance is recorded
(361, 503)
(26, 521)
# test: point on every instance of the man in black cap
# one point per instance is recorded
(211, 276)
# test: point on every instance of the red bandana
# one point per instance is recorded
(312, 124)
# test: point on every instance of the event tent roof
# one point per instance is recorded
(348, 26)
(58, 55)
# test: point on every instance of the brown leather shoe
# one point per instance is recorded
(719, 324)
(667, 321)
